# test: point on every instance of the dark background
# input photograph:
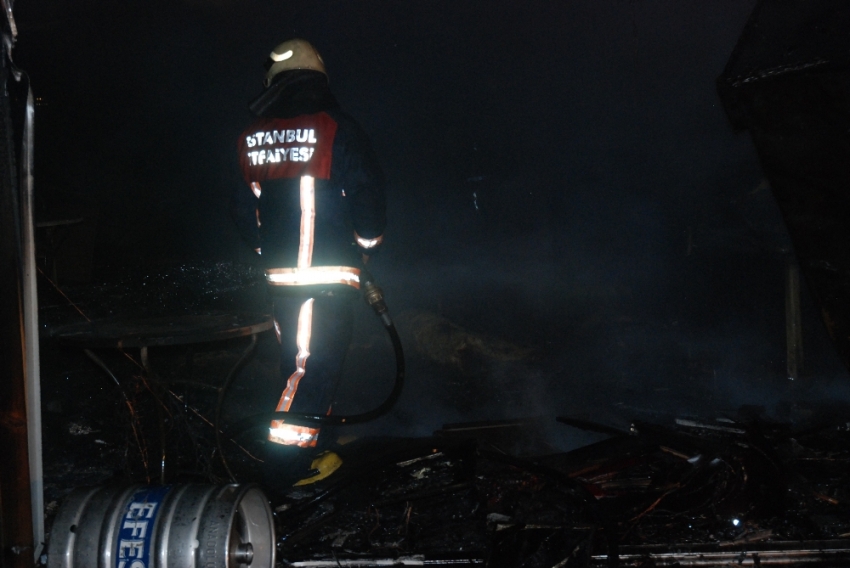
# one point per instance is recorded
(562, 179)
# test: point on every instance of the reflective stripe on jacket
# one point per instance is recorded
(313, 199)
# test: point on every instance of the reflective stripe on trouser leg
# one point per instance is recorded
(290, 434)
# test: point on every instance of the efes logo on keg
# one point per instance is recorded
(134, 537)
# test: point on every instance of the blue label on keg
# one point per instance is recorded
(136, 531)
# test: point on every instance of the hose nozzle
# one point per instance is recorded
(374, 296)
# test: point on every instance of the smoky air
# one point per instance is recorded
(574, 228)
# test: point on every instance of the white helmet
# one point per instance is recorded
(293, 54)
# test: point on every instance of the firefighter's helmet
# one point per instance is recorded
(293, 54)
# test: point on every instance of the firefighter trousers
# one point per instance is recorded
(314, 333)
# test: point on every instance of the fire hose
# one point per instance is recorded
(374, 296)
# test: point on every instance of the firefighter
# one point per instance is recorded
(313, 207)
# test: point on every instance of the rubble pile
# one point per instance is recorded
(692, 492)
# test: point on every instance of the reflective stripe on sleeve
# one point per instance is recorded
(314, 275)
(255, 187)
(368, 243)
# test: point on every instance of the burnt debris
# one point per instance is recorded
(715, 491)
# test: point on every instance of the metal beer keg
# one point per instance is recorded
(169, 526)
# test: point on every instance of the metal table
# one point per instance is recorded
(161, 331)
(143, 333)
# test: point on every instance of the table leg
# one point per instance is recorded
(139, 441)
(221, 392)
(97, 361)
(156, 388)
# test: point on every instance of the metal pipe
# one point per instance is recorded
(793, 321)
(15, 504)
(33, 368)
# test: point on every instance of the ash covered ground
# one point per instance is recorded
(658, 442)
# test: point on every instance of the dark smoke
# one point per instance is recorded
(562, 177)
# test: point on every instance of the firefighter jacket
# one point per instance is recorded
(313, 200)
